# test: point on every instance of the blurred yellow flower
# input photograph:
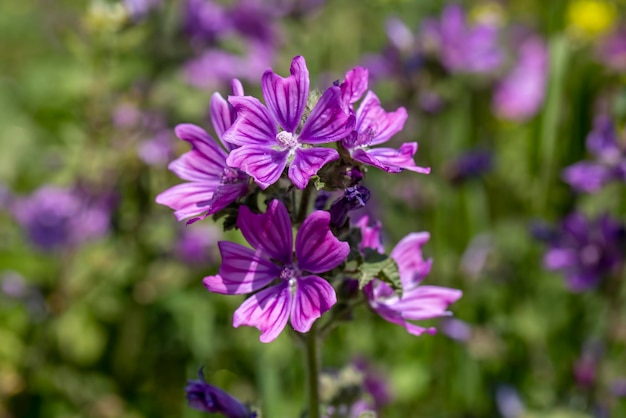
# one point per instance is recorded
(591, 18)
(105, 17)
(490, 13)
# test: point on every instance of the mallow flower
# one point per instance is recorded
(287, 287)
(417, 302)
(208, 398)
(375, 126)
(265, 150)
(211, 183)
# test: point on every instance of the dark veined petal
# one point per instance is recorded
(355, 85)
(391, 160)
(270, 232)
(267, 310)
(371, 116)
(206, 161)
(317, 249)
(427, 302)
(286, 97)
(184, 198)
(253, 126)
(262, 163)
(408, 255)
(313, 297)
(307, 163)
(242, 270)
(329, 121)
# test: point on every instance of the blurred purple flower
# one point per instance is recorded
(157, 150)
(618, 387)
(520, 94)
(254, 20)
(138, 9)
(586, 250)
(470, 165)
(374, 126)
(211, 183)
(417, 302)
(195, 244)
(610, 159)
(13, 285)
(374, 384)
(265, 151)
(298, 297)
(456, 329)
(612, 50)
(126, 115)
(208, 398)
(205, 20)
(55, 218)
(509, 402)
(586, 367)
(462, 48)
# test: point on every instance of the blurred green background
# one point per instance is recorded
(114, 327)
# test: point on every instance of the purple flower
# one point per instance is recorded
(55, 218)
(612, 50)
(264, 150)
(195, 244)
(355, 197)
(298, 296)
(211, 183)
(509, 403)
(208, 398)
(609, 164)
(138, 9)
(205, 20)
(156, 150)
(520, 94)
(470, 165)
(462, 48)
(374, 126)
(456, 329)
(417, 302)
(586, 250)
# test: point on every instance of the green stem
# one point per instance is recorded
(304, 203)
(313, 369)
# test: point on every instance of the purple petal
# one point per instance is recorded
(354, 85)
(307, 163)
(184, 198)
(242, 271)
(391, 160)
(587, 176)
(408, 255)
(206, 161)
(236, 87)
(427, 302)
(371, 117)
(253, 125)
(286, 97)
(313, 297)
(263, 163)
(317, 249)
(560, 258)
(267, 310)
(328, 121)
(370, 234)
(269, 232)
(222, 117)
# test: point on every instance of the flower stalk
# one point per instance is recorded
(312, 359)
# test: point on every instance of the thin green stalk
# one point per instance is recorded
(305, 198)
(312, 357)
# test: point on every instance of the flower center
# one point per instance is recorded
(289, 273)
(231, 176)
(287, 140)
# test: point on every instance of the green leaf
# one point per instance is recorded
(318, 183)
(380, 266)
(367, 414)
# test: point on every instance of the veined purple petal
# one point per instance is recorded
(328, 121)
(263, 163)
(253, 125)
(307, 163)
(267, 310)
(317, 249)
(371, 117)
(184, 198)
(270, 232)
(393, 316)
(222, 117)
(286, 97)
(408, 255)
(243, 270)
(370, 234)
(313, 297)
(354, 85)
(391, 160)
(206, 161)
(427, 302)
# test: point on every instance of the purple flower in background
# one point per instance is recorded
(456, 329)
(374, 126)
(461, 48)
(195, 244)
(138, 9)
(55, 218)
(417, 302)
(610, 159)
(470, 165)
(618, 387)
(612, 50)
(586, 250)
(374, 384)
(265, 151)
(211, 183)
(205, 20)
(208, 398)
(586, 366)
(520, 94)
(298, 297)
(509, 403)
(157, 150)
